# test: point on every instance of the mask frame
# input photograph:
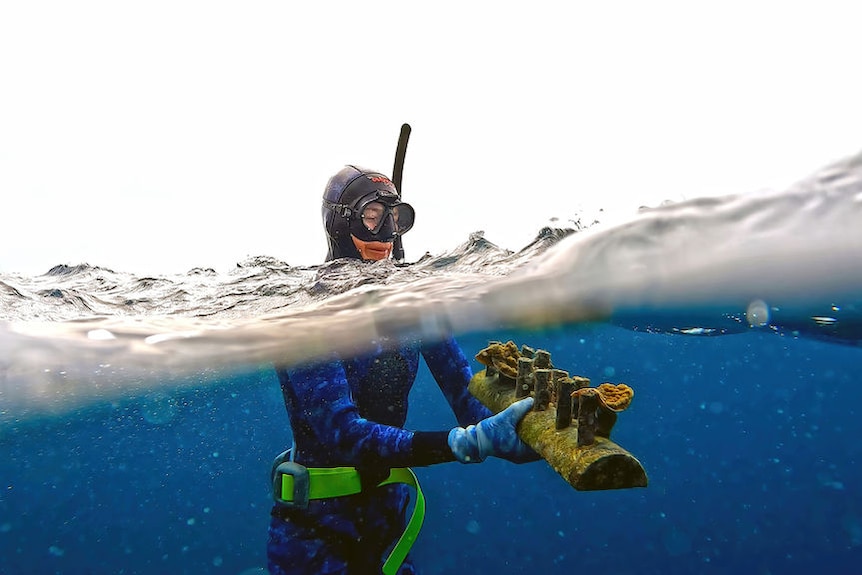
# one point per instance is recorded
(388, 228)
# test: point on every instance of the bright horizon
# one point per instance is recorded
(160, 137)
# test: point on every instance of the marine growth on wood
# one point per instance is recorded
(571, 422)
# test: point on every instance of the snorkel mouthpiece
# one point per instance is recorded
(372, 251)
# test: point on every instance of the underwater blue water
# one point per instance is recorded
(751, 445)
(139, 416)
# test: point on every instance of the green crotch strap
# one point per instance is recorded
(411, 532)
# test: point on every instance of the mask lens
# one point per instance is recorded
(372, 216)
(403, 216)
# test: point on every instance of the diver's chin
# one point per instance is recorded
(372, 251)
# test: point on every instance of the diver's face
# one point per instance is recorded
(372, 215)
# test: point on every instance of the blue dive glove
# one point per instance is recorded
(494, 436)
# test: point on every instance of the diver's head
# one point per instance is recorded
(363, 214)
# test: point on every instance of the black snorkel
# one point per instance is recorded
(397, 170)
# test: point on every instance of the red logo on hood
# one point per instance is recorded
(381, 180)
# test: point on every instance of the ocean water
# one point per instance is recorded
(139, 415)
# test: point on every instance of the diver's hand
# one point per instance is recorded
(494, 436)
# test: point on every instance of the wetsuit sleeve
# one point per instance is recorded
(452, 371)
(319, 399)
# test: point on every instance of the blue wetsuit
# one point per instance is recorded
(351, 412)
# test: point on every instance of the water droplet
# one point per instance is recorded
(757, 313)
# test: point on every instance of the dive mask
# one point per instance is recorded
(376, 217)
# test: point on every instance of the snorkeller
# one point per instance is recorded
(343, 490)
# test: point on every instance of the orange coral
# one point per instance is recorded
(614, 397)
(502, 357)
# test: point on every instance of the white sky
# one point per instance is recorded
(153, 137)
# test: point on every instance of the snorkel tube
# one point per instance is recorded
(397, 170)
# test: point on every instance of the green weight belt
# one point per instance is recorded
(295, 485)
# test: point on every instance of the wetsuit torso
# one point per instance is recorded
(351, 412)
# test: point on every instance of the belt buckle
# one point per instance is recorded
(300, 485)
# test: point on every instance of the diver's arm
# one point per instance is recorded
(322, 394)
(452, 371)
